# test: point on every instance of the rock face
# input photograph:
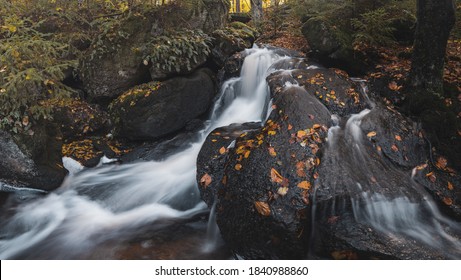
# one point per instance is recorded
(327, 175)
(331, 46)
(156, 109)
(115, 61)
(33, 160)
(263, 184)
(232, 39)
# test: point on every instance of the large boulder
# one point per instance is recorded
(331, 45)
(120, 57)
(77, 118)
(113, 64)
(33, 160)
(155, 109)
(328, 174)
(262, 183)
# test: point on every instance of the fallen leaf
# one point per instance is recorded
(394, 148)
(431, 177)
(373, 179)
(450, 186)
(441, 163)
(301, 133)
(238, 166)
(398, 138)
(290, 127)
(276, 177)
(394, 86)
(316, 126)
(247, 154)
(205, 181)
(262, 208)
(304, 185)
(222, 150)
(371, 134)
(448, 201)
(282, 191)
(272, 152)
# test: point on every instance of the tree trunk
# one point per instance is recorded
(435, 19)
(257, 10)
(237, 6)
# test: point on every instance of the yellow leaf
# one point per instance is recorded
(371, 134)
(262, 208)
(247, 154)
(222, 150)
(304, 185)
(11, 28)
(282, 191)
(205, 181)
(271, 132)
(316, 126)
(238, 166)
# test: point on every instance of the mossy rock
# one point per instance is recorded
(156, 109)
(232, 39)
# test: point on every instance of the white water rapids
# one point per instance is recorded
(112, 202)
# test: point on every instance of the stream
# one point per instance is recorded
(153, 210)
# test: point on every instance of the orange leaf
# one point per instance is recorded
(394, 148)
(316, 126)
(371, 134)
(290, 127)
(441, 163)
(222, 150)
(301, 133)
(450, 186)
(398, 138)
(272, 152)
(262, 208)
(238, 166)
(304, 185)
(448, 201)
(205, 181)
(276, 177)
(394, 86)
(247, 154)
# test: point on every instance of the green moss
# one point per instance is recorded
(132, 96)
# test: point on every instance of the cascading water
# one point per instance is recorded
(120, 202)
(370, 185)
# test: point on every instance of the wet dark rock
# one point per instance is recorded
(33, 160)
(213, 156)
(400, 140)
(296, 189)
(263, 183)
(234, 38)
(156, 109)
(332, 46)
(77, 118)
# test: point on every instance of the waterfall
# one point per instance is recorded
(117, 202)
(409, 213)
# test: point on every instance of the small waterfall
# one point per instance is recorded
(370, 183)
(119, 202)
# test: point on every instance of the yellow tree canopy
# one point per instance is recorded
(245, 5)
